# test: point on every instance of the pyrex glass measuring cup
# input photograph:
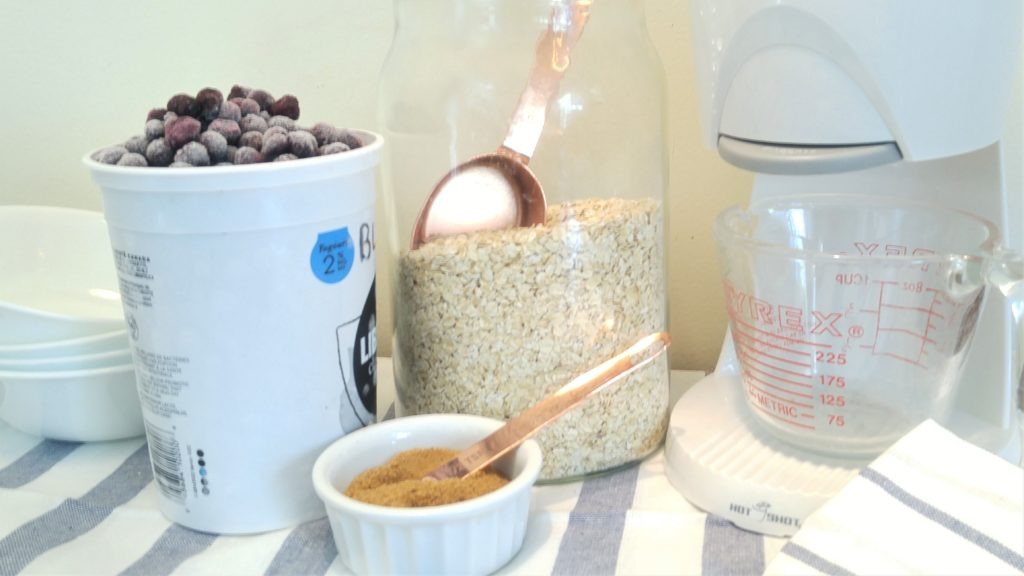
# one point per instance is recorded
(851, 316)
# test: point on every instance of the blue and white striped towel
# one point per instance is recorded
(68, 508)
(931, 504)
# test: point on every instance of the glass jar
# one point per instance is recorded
(490, 322)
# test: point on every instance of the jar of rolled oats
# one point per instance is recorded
(490, 322)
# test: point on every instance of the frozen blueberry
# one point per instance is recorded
(286, 105)
(239, 91)
(349, 138)
(229, 129)
(244, 127)
(181, 130)
(333, 148)
(159, 153)
(154, 128)
(216, 145)
(263, 97)
(137, 144)
(110, 154)
(252, 122)
(248, 106)
(282, 121)
(251, 139)
(247, 155)
(183, 105)
(325, 133)
(133, 159)
(302, 143)
(193, 153)
(225, 163)
(275, 130)
(208, 102)
(230, 111)
(177, 164)
(274, 144)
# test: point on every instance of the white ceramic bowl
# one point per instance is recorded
(59, 279)
(105, 342)
(476, 536)
(81, 405)
(77, 362)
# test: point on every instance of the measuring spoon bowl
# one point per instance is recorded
(489, 192)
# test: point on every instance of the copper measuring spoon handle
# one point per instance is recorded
(517, 430)
(552, 60)
(498, 190)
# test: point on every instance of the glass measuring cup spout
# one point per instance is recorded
(851, 318)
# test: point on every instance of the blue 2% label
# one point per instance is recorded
(333, 255)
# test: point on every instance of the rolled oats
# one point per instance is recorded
(489, 323)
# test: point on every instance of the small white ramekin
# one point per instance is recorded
(476, 536)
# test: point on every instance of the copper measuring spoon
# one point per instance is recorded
(499, 190)
(519, 429)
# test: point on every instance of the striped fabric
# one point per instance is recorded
(92, 509)
(932, 504)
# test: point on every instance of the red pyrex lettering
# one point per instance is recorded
(788, 319)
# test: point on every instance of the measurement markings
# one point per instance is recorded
(780, 398)
(781, 419)
(776, 378)
(779, 336)
(743, 353)
(772, 345)
(776, 387)
(921, 309)
(754, 348)
(926, 340)
(917, 335)
(901, 358)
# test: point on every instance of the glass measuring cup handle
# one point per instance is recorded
(1020, 412)
(1006, 273)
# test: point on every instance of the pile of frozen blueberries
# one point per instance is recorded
(248, 127)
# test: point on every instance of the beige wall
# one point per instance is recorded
(78, 75)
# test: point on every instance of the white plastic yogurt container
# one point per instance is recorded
(248, 292)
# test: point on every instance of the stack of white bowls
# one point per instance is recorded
(65, 357)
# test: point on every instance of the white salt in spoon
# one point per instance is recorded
(499, 190)
(519, 429)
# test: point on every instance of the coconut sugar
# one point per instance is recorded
(399, 483)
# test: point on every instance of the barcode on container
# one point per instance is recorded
(165, 454)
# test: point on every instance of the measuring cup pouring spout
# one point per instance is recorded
(965, 274)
